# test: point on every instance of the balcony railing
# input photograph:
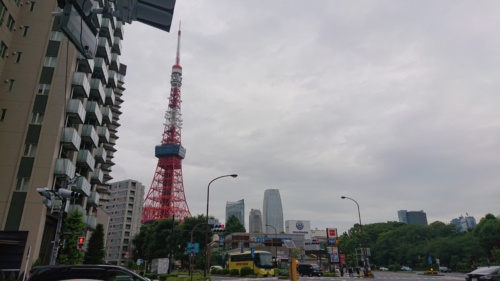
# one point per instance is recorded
(70, 139)
(106, 28)
(115, 62)
(103, 134)
(81, 86)
(119, 29)
(103, 50)
(76, 111)
(117, 46)
(97, 18)
(96, 177)
(82, 186)
(97, 90)
(90, 135)
(110, 96)
(100, 155)
(100, 69)
(84, 65)
(94, 112)
(93, 198)
(85, 159)
(121, 78)
(64, 167)
(107, 115)
(107, 167)
(111, 79)
(91, 221)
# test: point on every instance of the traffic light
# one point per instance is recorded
(218, 228)
(81, 243)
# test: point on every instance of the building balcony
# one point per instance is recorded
(115, 62)
(104, 197)
(97, 90)
(93, 198)
(80, 84)
(113, 127)
(103, 134)
(112, 79)
(110, 154)
(100, 155)
(110, 96)
(107, 177)
(82, 186)
(90, 221)
(107, 115)
(84, 65)
(64, 167)
(70, 139)
(85, 159)
(94, 112)
(103, 50)
(117, 46)
(75, 111)
(119, 32)
(96, 177)
(121, 78)
(89, 135)
(100, 69)
(107, 168)
(97, 18)
(106, 30)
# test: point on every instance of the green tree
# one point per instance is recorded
(95, 250)
(233, 225)
(73, 228)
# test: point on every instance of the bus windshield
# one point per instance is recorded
(264, 260)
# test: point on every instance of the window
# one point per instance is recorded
(56, 36)
(129, 213)
(127, 226)
(127, 233)
(10, 87)
(30, 150)
(18, 57)
(10, 23)
(32, 6)
(129, 219)
(43, 89)
(22, 184)
(125, 248)
(3, 49)
(2, 114)
(125, 241)
(50, 61)
(3, 12)
(25, 31)
(37, 118)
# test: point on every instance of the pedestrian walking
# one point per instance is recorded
(357, 270)
(351, 273)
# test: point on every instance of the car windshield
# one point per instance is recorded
(486, 270)
(315, 266)
(264, 260)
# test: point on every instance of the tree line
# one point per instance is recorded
(399, 244)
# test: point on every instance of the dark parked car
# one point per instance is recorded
(484, 273)
(308, 269)
(83, 272)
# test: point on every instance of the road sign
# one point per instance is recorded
(126, 255)
(223, 256)
(437, 261)
(430, 259)
(221, 240)
(252, 252)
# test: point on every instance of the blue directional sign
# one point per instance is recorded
(223, 256)
(252, 252)
(430, 260)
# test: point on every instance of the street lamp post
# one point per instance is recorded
(276, 246)
(363, 250)
(206, 229)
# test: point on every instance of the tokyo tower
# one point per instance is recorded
(166, 196)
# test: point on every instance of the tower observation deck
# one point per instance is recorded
(166, 197)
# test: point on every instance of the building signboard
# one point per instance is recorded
(331, 233)
(298, 227)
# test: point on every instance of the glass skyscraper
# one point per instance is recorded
(255, 221)
(237, 209)
(273, 211)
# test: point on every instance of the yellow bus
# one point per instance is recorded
(262, 263)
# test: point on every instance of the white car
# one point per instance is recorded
(216, 267)
(383, 268)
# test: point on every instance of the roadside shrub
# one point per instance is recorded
(246, 271)
(397, 267)
(234, 272)
(329, 274)
(188, 278)
(373, 267)
(215, 271)
(163, 277)
(224, 271)
(151, 276)
(391, 267)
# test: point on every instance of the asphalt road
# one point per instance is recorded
(379, 275)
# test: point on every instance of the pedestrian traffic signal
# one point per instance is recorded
(218, 228)
(80, 245)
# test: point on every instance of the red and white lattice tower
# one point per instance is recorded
(166, 196)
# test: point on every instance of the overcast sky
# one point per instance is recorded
(392, 103)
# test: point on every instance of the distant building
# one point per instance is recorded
(237, 209)
(273, 211)
(464, 223)
(125, 211)
(412, 217)
(255, 221)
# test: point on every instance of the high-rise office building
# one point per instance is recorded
(237, 209)
(125, 210)
(272, 212)
(255, 221)
(59, 116)
(412, 217)
(464, 223)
